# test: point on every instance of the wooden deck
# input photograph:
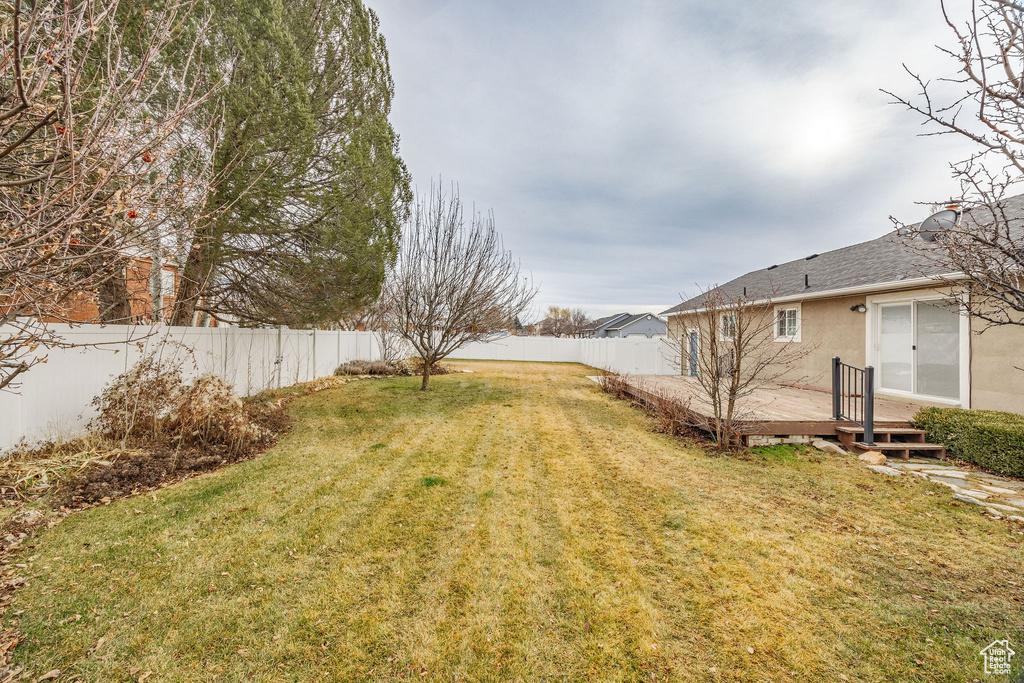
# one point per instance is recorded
(777, 410)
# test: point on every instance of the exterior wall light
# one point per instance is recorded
(859, 308)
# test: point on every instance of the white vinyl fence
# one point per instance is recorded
(633, 356)
(53, 397)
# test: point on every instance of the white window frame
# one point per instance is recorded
(873, 315)
(799, 323)
(721, 326)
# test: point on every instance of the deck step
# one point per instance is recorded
(880, 430)
(899, 446)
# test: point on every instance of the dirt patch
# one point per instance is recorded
(164, 463)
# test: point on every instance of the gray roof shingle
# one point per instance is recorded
(887, 259)
(601, 322)
(630, 320)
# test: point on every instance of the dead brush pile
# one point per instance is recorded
(669, 414)
(410, 367)
(435, 369)
(374, 368)
(209, 412)
(151, 427)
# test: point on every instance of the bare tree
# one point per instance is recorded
(982, 255)
(737, 354)
(555, 322)
(564, 322)
(452, 283)
(578, 323)
(84, 155)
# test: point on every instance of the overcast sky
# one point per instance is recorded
(632, 152)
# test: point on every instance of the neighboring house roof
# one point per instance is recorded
(600, 323)
(891, 259)
(629, 320)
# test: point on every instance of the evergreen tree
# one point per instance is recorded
(308, 191)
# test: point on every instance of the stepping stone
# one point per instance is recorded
(955, 474)
(1004, 508)
(980, 495)
(882, 469)
(1018, 502)
(951, 483)
(1018, 486)
(967, 499)
(998, 490)
(1016, 518)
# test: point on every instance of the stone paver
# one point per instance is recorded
(882, 469)
(999, 496)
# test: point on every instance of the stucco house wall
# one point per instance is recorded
(830, 328)
(996, 355)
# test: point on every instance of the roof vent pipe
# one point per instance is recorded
(807, 281)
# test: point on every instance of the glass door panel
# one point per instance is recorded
(938, 349)
(895, 347)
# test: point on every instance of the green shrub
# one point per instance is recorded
(986, 438)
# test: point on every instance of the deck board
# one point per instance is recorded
(775, 409)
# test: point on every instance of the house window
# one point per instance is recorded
(787, 324)
(728, 327)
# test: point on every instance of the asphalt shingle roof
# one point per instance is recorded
(601, 322)
(887, 259)
(630, 320)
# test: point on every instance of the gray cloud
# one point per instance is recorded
(633, 153)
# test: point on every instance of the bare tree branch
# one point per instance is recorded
(984, 253)
(452, 283)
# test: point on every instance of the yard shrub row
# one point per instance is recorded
(985, 438)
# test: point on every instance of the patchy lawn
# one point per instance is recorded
(517, 524)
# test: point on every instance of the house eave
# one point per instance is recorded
(896, 285)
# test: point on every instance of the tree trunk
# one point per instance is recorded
(194, 277)
(426, 375)
(114, 304)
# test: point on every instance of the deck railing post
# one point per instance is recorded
(869, 406)
(837, 401)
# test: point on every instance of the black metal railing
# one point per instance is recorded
(853, 396)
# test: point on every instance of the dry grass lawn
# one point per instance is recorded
(516, 524)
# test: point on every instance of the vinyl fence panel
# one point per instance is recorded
(53, 398)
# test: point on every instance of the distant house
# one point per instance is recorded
(83, 307)
(879, 303)
(623, 325)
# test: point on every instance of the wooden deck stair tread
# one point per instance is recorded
(899, 446)
(880, 430)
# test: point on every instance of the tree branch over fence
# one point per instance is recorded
(85, 155)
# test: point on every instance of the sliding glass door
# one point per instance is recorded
(919, 348)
